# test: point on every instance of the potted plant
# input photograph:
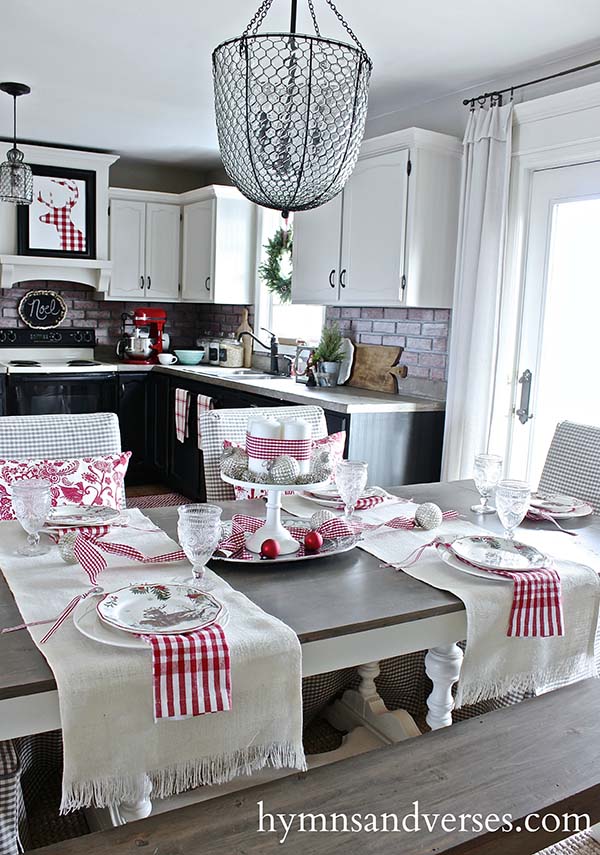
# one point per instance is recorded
(329, 355)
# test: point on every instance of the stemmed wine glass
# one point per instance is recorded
(512, 502)
(487, 473)
(199, 530)
(351, 480)
(31, 502)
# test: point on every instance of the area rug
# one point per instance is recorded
(160, 500)
(578, 844)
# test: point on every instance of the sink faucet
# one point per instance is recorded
(272, 347)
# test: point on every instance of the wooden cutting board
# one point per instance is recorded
(376, 367)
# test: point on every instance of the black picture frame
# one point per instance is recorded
(24, 213)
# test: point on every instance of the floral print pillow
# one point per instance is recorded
(85, 481)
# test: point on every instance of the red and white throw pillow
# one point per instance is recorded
(84, 481)
(334, 444)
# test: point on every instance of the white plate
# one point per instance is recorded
(86, 620)
(346, 363)
(70, 516)
(498, 553)
(160, 609)
(451, 559)
(560, 507)
(336, 503)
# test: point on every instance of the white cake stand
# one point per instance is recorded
(273, 527)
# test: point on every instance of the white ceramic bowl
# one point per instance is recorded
(189, 357)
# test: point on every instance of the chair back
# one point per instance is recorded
(216, 426)
(573, 463)
(60, 436)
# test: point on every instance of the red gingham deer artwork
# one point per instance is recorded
(59, 215)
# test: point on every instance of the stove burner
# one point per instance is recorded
(82, 362)
(24, 363)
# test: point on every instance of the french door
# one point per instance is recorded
(559, 344)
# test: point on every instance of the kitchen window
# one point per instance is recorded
(290, 322)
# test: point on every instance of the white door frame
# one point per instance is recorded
(558, 130)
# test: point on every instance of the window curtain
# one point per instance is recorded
(477, 289)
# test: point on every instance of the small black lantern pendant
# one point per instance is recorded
(16, 178)
(290, 112)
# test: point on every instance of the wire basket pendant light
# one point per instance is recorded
(290, 111)
(16, 178)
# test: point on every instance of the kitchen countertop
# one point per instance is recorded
(341, 399)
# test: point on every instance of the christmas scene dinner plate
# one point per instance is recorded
(153, 608)
(498, 553)
(560, 507)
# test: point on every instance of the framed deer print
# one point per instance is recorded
(61, 220)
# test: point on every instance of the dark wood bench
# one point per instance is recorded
(541, 756)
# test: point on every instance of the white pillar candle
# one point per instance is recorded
(298, 429)
(262, 429)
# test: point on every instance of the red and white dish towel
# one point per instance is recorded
(191, 673)
(204, 403)
(496, 663)
(182, 413)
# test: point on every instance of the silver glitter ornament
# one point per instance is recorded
(428, 516)
(308, 478)
(234, 461)
(66, 547)
(320, 517)
(284, 469)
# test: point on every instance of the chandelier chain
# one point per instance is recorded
(258, 18)
(314, 17)
(345, 25)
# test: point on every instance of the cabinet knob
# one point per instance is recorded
(142, 282)
(343, 278)
(331, 278)
(207, 283)
(149, 283)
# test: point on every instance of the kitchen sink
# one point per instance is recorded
(238, 373)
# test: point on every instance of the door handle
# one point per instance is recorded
(342, 278)
(331, 278)
(523, 411)
(207, 283)
(142, 282)
(149, 283)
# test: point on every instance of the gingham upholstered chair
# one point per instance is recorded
(37, 759)
(218, 425)
(573, 463)
(59, 436)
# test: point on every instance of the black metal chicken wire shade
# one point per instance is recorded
(16, 178)
(290, 112)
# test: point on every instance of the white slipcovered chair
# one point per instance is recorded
(573, 463)
(216, 426)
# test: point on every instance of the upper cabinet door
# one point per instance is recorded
(162, 251)
(198, 252)
(127, 247)
(317, 235)
(374, 231)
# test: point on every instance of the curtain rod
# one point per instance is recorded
(496, 95)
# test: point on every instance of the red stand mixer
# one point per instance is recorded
(142, 335)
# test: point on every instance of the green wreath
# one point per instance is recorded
(270, 270)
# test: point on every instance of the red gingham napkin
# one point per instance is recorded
(182, 409)
(366, 502)
(191, 673)
(204, 403)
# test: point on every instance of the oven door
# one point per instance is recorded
(43, 394)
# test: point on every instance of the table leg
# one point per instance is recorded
(442, 665)
(138, 809)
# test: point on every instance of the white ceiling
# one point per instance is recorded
(134, 76)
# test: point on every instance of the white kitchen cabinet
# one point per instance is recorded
(144, 243)
(219, 249)
(390, 236)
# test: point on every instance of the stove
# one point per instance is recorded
(26, 351)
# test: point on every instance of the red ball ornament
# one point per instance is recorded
(270, 548)
(313, 541)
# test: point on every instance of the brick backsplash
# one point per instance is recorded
(185, 321)
(423, 333)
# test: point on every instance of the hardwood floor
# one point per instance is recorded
(146, 490)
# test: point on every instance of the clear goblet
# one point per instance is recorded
(487, 473)
(512, 503)
(31, 501)
(199, 531)
(351, 480)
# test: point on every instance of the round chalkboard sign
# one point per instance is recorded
(42, 310)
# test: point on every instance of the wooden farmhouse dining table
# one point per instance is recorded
(347, 610)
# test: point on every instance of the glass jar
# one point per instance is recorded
(214, 351)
